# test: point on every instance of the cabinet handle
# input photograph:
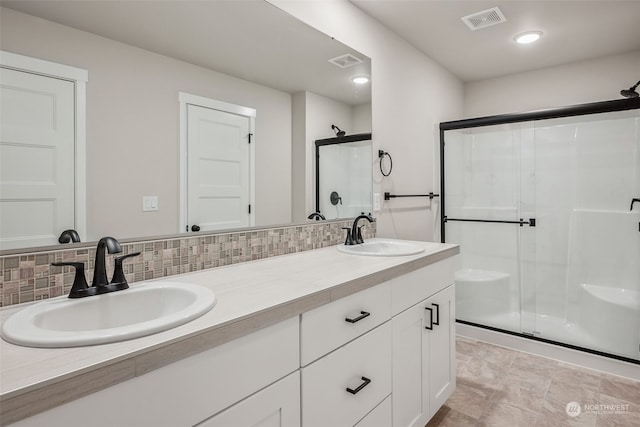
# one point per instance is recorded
(430, 327)
(363, 314)
(365, 382)
(437, 306)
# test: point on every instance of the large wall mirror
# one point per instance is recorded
(148, 62)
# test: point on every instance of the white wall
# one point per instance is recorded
(411, 94)
(582, 82)
(361, 119)
(299, 151)
(322, 112)
(313, 116)
(133, 126)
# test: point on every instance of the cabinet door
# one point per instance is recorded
(424, 373)
(442, 368)
(276, 406)
(410, 368)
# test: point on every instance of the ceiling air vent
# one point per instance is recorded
(345, 61)
(486, 18)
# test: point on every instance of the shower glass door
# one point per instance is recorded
(549, 238)
(489, 204)
(343, 176)
(587, 269)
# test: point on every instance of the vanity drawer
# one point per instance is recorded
(420, 284)
(332, 325)
(379, 417)
(363, 366)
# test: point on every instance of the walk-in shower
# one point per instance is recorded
(539, 203)
(343, 175)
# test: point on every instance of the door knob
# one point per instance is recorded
(195, 228)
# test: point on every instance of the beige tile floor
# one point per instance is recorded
(497, 386)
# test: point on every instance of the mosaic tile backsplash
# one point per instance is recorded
(30, 276)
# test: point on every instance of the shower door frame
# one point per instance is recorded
(356, 137)
(532, 116)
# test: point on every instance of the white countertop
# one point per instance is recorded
(250, 295)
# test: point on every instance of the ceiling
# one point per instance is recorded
(574, 30)
(249, 39)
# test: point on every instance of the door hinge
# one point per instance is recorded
(250, 137)
(249, 208)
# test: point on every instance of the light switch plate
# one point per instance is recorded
(376, 202)
(149, 203)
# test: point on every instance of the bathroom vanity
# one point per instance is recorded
(317, 338)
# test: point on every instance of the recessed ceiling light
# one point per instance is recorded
(360, 80)
(528, 37)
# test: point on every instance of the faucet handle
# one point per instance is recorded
(349, 240)
(359, 238)
(119, 278)
(80, 288)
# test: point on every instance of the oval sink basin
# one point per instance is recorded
(382, 248)
(132, 313)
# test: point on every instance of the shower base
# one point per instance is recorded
(553, 329)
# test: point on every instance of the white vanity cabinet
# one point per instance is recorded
(442, 347)
(408, 356)
(423, 359)
(192, 390)
(382, 356)
(276, 406)
(379, 417)
(352, 376)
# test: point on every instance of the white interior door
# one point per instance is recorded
(37, 158)
(219, 169)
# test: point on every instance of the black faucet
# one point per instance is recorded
(632, 202)
(100, 283)
(356, 233)
(69, 236)
(99, 270)
(317, 216)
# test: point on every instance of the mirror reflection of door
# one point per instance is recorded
(37, 158)
(219, 178)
